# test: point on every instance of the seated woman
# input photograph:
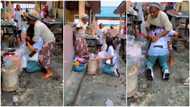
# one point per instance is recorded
(160, 50)
(107, 55)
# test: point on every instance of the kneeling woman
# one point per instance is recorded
(42, 31)
(108, 56)
(34, 47)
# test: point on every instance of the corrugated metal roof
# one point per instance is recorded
(121, 8)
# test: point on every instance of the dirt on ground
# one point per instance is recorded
(102, 90)
(164, 93)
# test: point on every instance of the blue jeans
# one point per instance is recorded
(107, 69)
(163, 60)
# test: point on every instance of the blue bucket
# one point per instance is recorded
(80, 68)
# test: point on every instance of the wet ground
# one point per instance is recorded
(165, 93)
(102, 90)
(34, 90)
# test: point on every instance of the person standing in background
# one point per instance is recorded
(18, 20)
(101, 33)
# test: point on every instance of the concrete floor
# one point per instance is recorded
(164, 93)
(96, 90)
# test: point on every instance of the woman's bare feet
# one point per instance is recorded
(48, 74)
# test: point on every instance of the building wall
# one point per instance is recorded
(60, 13)
(68, 50)
(69, 15)
(109, 22)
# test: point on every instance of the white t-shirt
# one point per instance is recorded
(24, 52)
(100, 33)
(38, 46)
(163, 41)
(111, 51)
(18, 18)
(102, 54)
(41, 30)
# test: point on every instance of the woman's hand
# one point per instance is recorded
(102, 58)
(30, 47)
(155, 38)
(148, 37)
(108, 57)
(99, 58)
(152, 38)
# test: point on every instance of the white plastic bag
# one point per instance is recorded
(34, 57)
(24, 62)
(22, 52)
(109, 102)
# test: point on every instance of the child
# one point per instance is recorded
(100, 33)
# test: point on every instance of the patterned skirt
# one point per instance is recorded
(46, 54)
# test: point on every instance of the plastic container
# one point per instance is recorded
(10, 79)
(80, 68)
(134, 57)
(132, 78)
(10, 71)
(92, 66)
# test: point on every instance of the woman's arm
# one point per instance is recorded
(105, 58)
(162, 34)
(33, 50)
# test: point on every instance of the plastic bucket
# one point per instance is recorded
(10, 71)
(80, 68)
(132, 80)
(10, 79)
(92, 67)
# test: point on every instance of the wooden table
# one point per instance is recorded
(53, 25)
(9, 29)
(92, 43)
(180, 15)
(132, 22)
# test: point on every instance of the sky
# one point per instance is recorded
(113, 3)
(156, 0)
